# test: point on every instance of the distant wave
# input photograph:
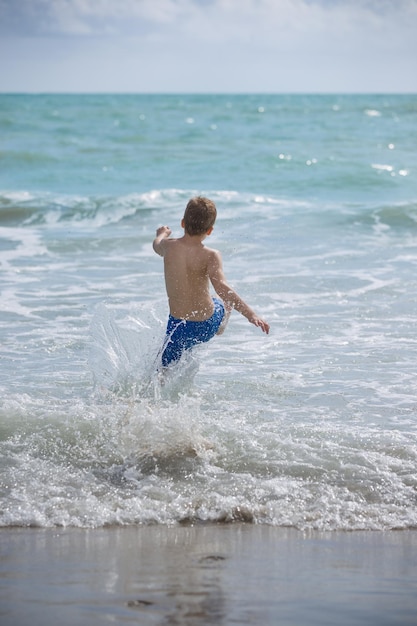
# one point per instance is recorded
(23, 208)
(19, 208)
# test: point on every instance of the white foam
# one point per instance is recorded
(382, 167)
(29, 244)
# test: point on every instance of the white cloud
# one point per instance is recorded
(208, 18)
(228, 45)
(86, 17)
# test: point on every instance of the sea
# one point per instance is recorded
(312, 427)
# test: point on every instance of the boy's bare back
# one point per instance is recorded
(187, 265)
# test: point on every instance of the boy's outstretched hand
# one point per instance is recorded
(264, 326)
(163, 230)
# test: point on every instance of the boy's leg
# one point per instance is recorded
(175, 341)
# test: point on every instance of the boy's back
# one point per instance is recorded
(186, 265)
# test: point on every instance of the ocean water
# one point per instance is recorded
(311, 427)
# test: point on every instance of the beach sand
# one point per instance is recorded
(207, 574)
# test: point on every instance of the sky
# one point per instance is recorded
(208, 46)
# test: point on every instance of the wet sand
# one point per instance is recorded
(214, 574)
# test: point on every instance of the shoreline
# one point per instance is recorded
(208, 574)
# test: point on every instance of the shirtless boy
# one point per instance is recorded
(190, 267)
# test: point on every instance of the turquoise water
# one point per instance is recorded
(313, 426)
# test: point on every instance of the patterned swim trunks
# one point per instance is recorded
(183, 335)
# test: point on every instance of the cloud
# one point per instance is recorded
(208, 45)
(86, 17)
(238, 19)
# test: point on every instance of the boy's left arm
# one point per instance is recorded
(162, 234)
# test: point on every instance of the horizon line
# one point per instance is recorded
(205, 93)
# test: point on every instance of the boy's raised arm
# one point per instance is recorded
(162, 234)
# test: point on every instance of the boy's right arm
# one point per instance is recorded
(162, 234)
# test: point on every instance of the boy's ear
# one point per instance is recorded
(210, 230)
(182, 223)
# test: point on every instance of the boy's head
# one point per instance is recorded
(200, 215)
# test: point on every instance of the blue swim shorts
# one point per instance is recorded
(182, 335)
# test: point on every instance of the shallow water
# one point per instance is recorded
(312, 427)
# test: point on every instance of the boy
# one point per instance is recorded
(190, 267)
